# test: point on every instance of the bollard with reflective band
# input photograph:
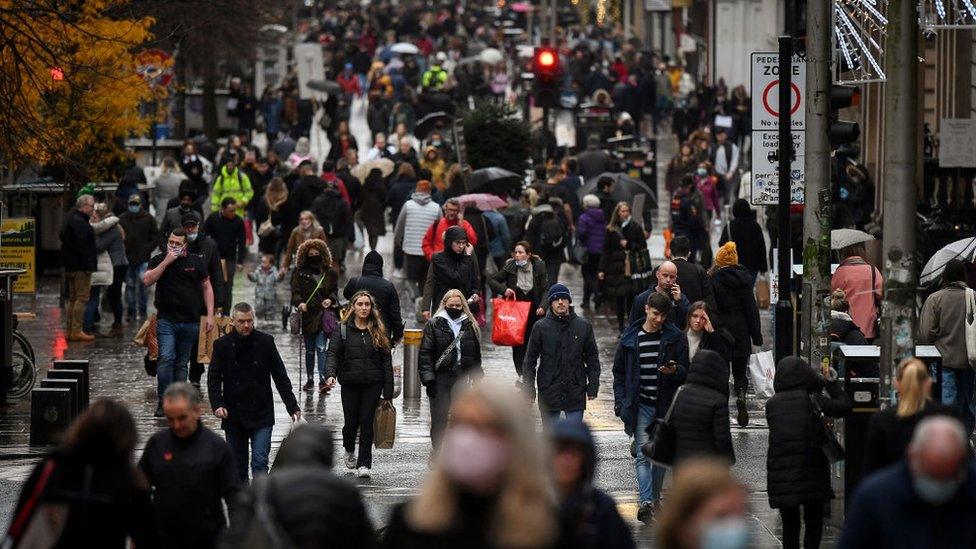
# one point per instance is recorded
(411, 354)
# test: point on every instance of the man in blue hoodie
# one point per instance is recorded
(648, 367)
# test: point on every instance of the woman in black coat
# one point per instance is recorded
(454, 268)
(745, 231)
(797, 470)
(450, 349)
(703, 334)
(701, 411)
(522, 278)
(359, 357)
(738, 313)
(314, 288)
(624, 239)
(373, 206)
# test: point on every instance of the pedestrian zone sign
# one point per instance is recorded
(765, 128)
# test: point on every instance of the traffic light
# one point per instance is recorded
(546, 72)
(843, 132)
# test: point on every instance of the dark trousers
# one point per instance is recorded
(552, 269)
(622, 308)
(740, 364)
(590, 270)
(114, 295)
(416, 270)
(359, 402)
(441, 405)
(228, 286)
(812, 518)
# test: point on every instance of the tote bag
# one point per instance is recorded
(508, 321)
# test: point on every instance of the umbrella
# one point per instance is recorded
(521, 7)
(405, 47)
(384, 165)
(428, 122)
(327, 86)
(625, 188)
(490, 56)
(493, 180)
(842, 238)
(960, 249)
(483, 201)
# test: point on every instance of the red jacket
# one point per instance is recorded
(434, 237)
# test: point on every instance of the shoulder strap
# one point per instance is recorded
(447, 351)
(667, 416)
(317, 286)
(342, 331)
(27, 511)
(874, 296)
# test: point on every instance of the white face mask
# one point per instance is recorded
(935, 492)
(473, 460)
(177, 250)
(727, 533)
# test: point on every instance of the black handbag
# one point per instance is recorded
(823, 436)
(661, 441)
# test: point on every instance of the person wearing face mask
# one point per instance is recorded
(227, 228)
(174, 215)
(522, 278)
(454, 268)
(308, 229)
(141, 236)
(928, 499)
(450, 350)
(359, 358)
(488, 486)
(314, 288)
(706, 509)
(797, 470)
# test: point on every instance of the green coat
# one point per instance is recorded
(235, 184)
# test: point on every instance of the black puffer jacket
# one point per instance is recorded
(748, 237)
(612, 260)
(384, 294)
(737, 310)
(568, 360)
(796, 470)
(352, 358)
(450, 271)
(701, 411)
(437, 337)
(843, 330)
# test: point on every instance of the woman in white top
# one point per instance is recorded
(703, 334)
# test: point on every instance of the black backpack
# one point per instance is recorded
(552, 234)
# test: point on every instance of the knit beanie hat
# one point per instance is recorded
(423, 186)
(557, 291)
(727, 255)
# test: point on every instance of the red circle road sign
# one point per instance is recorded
(775, 84)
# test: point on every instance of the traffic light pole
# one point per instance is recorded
(815, 320)
(902, 149)
(784, 305)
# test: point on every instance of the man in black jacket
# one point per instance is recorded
(191, 472)
(239, 384)
(666, 275)
(227, 230)
(79, 261)
(565, 349)
(692, 277)
(141, 236)
(384, 294)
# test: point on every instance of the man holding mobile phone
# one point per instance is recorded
(667, 284)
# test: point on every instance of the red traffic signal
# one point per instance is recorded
(545, 63)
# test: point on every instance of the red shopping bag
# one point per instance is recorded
(508, 321)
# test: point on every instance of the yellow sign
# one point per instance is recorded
(17, 242)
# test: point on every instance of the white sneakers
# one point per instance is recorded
(362, 472)
(350, 460)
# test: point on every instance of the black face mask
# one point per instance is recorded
(454, 313)
(313, 260)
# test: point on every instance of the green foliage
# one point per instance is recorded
(495, 138)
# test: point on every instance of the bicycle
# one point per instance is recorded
(23, 361)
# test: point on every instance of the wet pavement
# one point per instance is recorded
(117, 372)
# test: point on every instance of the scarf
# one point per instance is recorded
(523, 277)
(455, 326)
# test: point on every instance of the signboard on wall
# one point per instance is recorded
(17, 242)
(957, 143)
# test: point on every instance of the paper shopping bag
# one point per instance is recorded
(384, 425)
(205, 341)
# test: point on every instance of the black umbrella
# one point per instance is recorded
(625, 188)
(429, 122)
(326, 86)
(494, 181)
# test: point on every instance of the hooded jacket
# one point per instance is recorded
(304, 280)
(626, 373)
(417, 215)
(449, 270)
(591, 230)
(701, 411)
(843, 330)
(434, 237)
(231, 184)
(384, 293)
(564, 348)
(332, 213)
(737, 309)
(797, 470)
(748, 237)
(373, 204)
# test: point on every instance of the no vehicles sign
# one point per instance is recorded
(765, 91)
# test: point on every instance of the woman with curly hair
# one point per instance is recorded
(314, 289)
(360, 358)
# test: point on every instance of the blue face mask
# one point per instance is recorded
(135, 208)
(521, 263)
(935, 492)
(192, 236)
(728, 533)
(702, 172)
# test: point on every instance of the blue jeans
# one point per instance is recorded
(176, 340)
(315, 346)
(650, 477)
(88, 321)
(135, 289)
(957, 392)
(260, 439)
(554, 415)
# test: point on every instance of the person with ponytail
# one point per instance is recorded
(359, 357)
(891, 430)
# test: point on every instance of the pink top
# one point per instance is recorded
(854, 277)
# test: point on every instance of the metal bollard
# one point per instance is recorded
(411, 355)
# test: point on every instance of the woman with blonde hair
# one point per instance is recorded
(359, 357)
(707, 505)
(308, 229)
(891, 430)
(449, 351)
(842, 327)
(489, 485)
(623, 240)
(271, 215)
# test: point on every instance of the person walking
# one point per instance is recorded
(588, 515)
(417, 214)
(943, 323)
(314, 290)
(78, 259)
(522, 278)
(141, 236)
(373, 207)
(649, 365)
(707, 507)
(434, 239)
(243, 365)
(308, 229)
(191, 472)
(591, 231)
(487, 486)
(231, 182)
(270, 216)
(265, 279)
(797, 470)
(383, 292)
(359, 358)
(700, 416)
(336, 220)
(703, 334)
(450, 350)
(112, 264)
(737, 310)
(453, 268)
(864, 287)
(183, 295)
(227, 229)
(666, 276)
(90, 481)
(692, 277)
(687, 219)
(890, 430)
(167, 185)
(548, 233)
(745, 231)
(563, 347)
(624, 239)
